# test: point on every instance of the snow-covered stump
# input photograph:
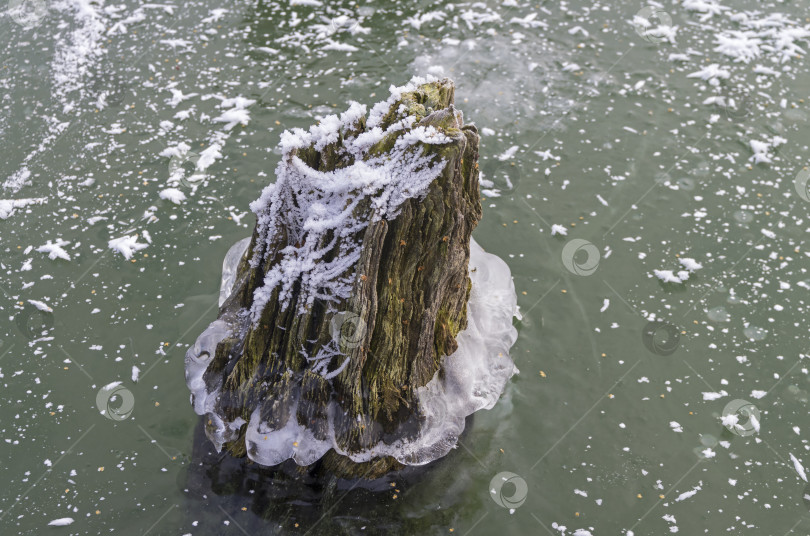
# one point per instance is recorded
(344, 335)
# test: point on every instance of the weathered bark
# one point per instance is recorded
(407, 304)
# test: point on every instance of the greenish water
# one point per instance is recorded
(615, 142)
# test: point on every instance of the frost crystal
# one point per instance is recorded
(323, 213)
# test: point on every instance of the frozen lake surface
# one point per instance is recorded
(646, 181)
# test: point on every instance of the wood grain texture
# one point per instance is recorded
(408, 303)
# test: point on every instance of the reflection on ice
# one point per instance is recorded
(197, 359)
(229, 267)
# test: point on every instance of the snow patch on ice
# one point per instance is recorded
(61, 522)
(126, 245)
(55, 249)
(8, 206)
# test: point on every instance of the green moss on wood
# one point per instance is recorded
(411, 290)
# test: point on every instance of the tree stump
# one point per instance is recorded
(352, 289)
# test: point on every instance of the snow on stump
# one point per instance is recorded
(345, 337)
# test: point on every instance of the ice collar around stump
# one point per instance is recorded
(360, 324)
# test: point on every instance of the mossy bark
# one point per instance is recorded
(409, 298)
